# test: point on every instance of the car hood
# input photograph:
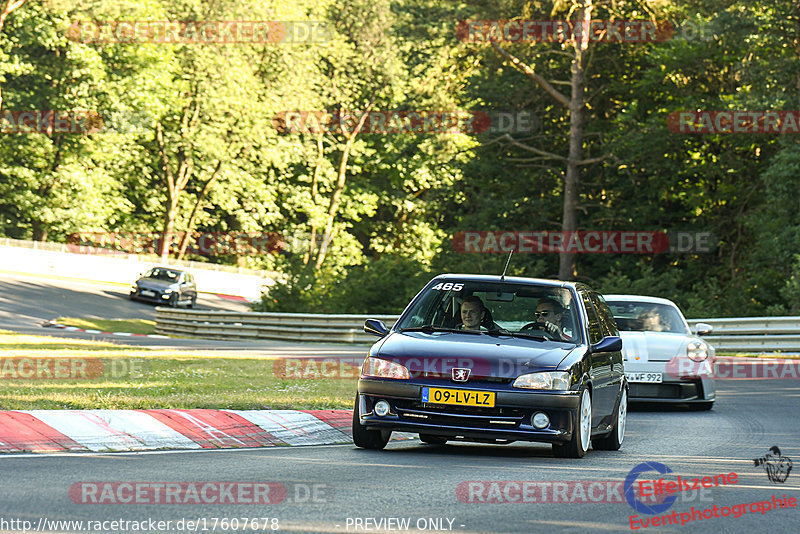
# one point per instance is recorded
(435, 355)
(153, 283)
(641, 347)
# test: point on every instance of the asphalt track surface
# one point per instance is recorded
(416, 481)
(344, 489)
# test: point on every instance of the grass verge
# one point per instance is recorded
(82, 374)
(133, 326)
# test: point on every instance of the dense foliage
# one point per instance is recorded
(190, 143)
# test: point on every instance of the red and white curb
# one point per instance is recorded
(141, 430)
(52, 324)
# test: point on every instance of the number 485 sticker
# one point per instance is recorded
(448, 286)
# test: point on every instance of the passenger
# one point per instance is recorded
(473, 312)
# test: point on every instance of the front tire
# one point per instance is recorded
(366, 438)
(702, 406)
(613, 441)
(577, 446)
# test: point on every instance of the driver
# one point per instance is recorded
(472, 313)
(549, 313)
(651, 321)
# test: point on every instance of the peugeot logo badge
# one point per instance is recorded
(460, 374)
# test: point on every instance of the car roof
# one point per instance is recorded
(509, 279)
(639, 298)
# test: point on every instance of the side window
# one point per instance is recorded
(607, 323)
(594, 328)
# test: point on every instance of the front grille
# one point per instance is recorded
(472, 379)
(686, 390)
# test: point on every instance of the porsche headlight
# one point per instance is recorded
(169, 290)
(697, 351)
(545, 380)
(379, 368)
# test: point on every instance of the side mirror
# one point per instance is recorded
(608, 344)
(703, 329)
(375, 327)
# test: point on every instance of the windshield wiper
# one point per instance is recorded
(498, 332)
(429, 329)
(529, 336)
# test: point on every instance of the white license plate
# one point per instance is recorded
(147, 293)
(652, 378)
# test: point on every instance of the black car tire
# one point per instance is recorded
(173, 300)
(576, 447)
(432, 440)
(365, 438)
(702, 406)
(613, 441)
(193, 301)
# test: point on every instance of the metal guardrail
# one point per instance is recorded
(767, 334)
(267, 325)
(760, 334)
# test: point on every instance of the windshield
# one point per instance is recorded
(495, 307)
(647, 317)
(163, 274)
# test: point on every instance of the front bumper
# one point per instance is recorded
(672, 389)
(157, 296)
(509, 420)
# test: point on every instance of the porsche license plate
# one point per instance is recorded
(651, 378)
(461, 397)
(147, 293)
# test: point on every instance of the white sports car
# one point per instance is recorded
(656, 342)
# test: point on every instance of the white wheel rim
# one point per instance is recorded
(586, 419)
(622, 416)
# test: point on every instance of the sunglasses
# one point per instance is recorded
(544, 313)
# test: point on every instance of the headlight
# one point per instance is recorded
(168, 291)
(379, 368)
(134, 287)
(546, 380)
(697, 351)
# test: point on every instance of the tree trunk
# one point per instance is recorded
(193, 217)
(569, 221)
(336, 199)
(314, 187)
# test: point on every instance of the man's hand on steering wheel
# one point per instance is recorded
(551, 329)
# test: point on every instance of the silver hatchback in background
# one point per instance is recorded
(656, 341)
(164, 285)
